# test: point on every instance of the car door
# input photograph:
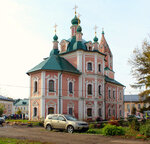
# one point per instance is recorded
(61, 122)
(54, 121)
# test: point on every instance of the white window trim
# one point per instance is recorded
(35, 79)
(70, 105)
(89, 105)
(98, 68)
(100, 84)
(114, 95)
(49, 92)
(35, 104)
(73, 81)
(87, 89)
(50, 104)
(110, 93)
(87, 66)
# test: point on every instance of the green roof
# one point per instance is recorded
(107, 79)
(74, 45)
(23, 102)
(55, 62)
(107, 68)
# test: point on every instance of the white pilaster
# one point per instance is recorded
(79, 61)
(43, 95)
(95, 64)
(30, 98)
(95, 108)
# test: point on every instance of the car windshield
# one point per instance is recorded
(70, 118)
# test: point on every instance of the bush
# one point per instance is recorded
(95, 131)
(113, 130)
(145, 129)
(133, 123)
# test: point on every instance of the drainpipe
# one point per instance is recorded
(60, 93)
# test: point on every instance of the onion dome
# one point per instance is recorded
(79, 29)
(95, 39)
(55, 38)
(75, 20)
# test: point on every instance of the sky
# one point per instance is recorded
(27, 29)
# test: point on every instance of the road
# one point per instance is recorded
(40, 134)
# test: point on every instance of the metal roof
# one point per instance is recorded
(5, 98)
(23, 102)
(131, 98)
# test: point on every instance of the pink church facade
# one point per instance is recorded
(77, 79)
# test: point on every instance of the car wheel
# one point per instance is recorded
(70, 129)
(48, 127)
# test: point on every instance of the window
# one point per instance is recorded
(99, 67)
(109, 112)
(89, 112)
(51, 86)
(145, 105)
(139, 106)
(99, 89)
(99, 112)
(61, 118)
(114, 113)
(71, 111)
(120, 96)
(120, 113)
(89, 66)
(54, 117)
(128, 107)
(113, 94)
(70, 87)
(35, 112)
(109, 93)
(89, 89)
(50, 110)
(35, 86)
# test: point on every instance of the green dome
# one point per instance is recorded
(55, 38)
(79, 29)
(95, 39)
(75, 20)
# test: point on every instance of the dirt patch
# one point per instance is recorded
(40, 134)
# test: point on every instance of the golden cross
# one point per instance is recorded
(55, 26)
(78, 18)
(95, 28)
(75, 8)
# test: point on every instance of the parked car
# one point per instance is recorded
(64, 122)
(2, 120)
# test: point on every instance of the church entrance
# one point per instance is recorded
(50, 110)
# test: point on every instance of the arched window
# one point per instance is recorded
(99, 67)
(109, 93)
(35, 112)
(120, 113)
(89, 89)
(35, 86)
(89, 66)
(120, 96)
(90, 48)
(114, 112)
(109, 112)
(99, 112)
(51, 86)
(89, 112)
(70, 87)
(99, 89)
(50, 110)
(113, 94)
(71, 111)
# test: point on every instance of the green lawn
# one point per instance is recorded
(18, 141)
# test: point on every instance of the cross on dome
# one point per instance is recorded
(75, 8)
(95, 28)
(55, 26)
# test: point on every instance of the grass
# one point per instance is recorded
(18, 141)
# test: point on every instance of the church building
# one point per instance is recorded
(77, 79)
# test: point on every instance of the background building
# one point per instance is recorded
(131, 101)
(23, 105)
(78, 79)
(8, 105)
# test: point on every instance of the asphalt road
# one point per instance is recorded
(40, 134)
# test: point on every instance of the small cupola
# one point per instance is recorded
(95, 39)
(55, 50)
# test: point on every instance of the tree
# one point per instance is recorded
(140, 69)
(19, 111)
(1, 109)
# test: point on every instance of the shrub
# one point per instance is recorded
(91, 126)
(113, 130)
(145, 129)
(95, 131)
(114, 122)
(133, 123)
